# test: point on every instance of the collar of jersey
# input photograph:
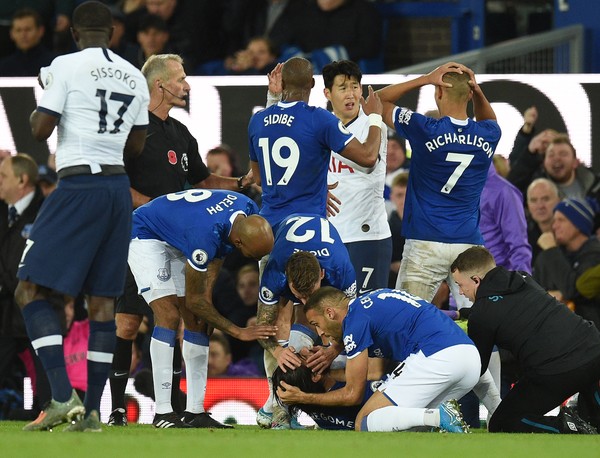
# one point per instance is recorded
(288, 104)
(460, 122)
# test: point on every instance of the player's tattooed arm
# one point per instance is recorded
(198, 296)
(267, 315)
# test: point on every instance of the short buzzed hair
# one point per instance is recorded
(157, 67)
(460, 89)
(92, 15)
(563, 139)
(325, 296)
(476, 260)
(547, 182)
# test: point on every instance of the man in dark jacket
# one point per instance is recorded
(20, 201)
(558, 351)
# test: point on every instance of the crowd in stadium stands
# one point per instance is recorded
(214, 38)
(540, 210)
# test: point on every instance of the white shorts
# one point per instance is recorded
(427, 381)
(158, 269)
(425, 265)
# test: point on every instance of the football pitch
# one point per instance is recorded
(143, 441)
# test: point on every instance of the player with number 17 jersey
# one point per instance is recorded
(292, 143)
(99, 97)
(449, 164)
(315, 234)
(196, 222)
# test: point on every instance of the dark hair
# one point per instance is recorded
(29, 12)
(324, 294)
(301, 377)
(152, 21)
(346, 68)
(303, 270)
(92, 15)
(223, 148)
(563, 139)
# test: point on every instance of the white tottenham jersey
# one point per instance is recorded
(99, 98)
(362, 214)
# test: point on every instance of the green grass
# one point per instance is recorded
(142, 441)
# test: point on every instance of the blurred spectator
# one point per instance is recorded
(27, 31)
(55, 16)
(20, 203)
(75, 344)
(220, 362)
(525, 135)
(396, 163)
(568, 251)
(542, 198)
(558, 162)
(588, 284)
(47, 179)
(197, 28)
(502, 165)
(221, 160)
(259, 58)
(153, 38)
(273, 19)
(502, 223)
(339, 29)
(119, 42)
(397, 196)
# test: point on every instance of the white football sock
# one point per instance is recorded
(196, 369)
(162, 374)
(394, 418)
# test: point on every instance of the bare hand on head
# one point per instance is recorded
(372, 104)
(333, 203)
(435, 77)
(287, 358)
(289, 394)
(275, 81)
(320, 358)
(257, 332)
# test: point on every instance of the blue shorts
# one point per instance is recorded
(80, 239)
(371, 260)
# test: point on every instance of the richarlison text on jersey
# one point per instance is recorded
(460, 139)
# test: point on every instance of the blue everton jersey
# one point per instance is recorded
(307, 232)
(339, 417)
(197, 222)
(394, 324)
(292, 143)
(448, 169)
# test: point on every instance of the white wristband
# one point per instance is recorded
(272, 99)
(375, 119)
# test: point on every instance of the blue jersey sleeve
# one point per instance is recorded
(357, 333)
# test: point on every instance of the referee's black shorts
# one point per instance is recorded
(131, 302)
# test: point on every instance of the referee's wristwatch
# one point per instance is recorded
(240, 182)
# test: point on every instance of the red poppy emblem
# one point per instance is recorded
(172, 157)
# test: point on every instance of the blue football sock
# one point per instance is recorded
(44, 331)
(101, 345)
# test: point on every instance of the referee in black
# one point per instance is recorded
(170, 162)
(558, 351)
